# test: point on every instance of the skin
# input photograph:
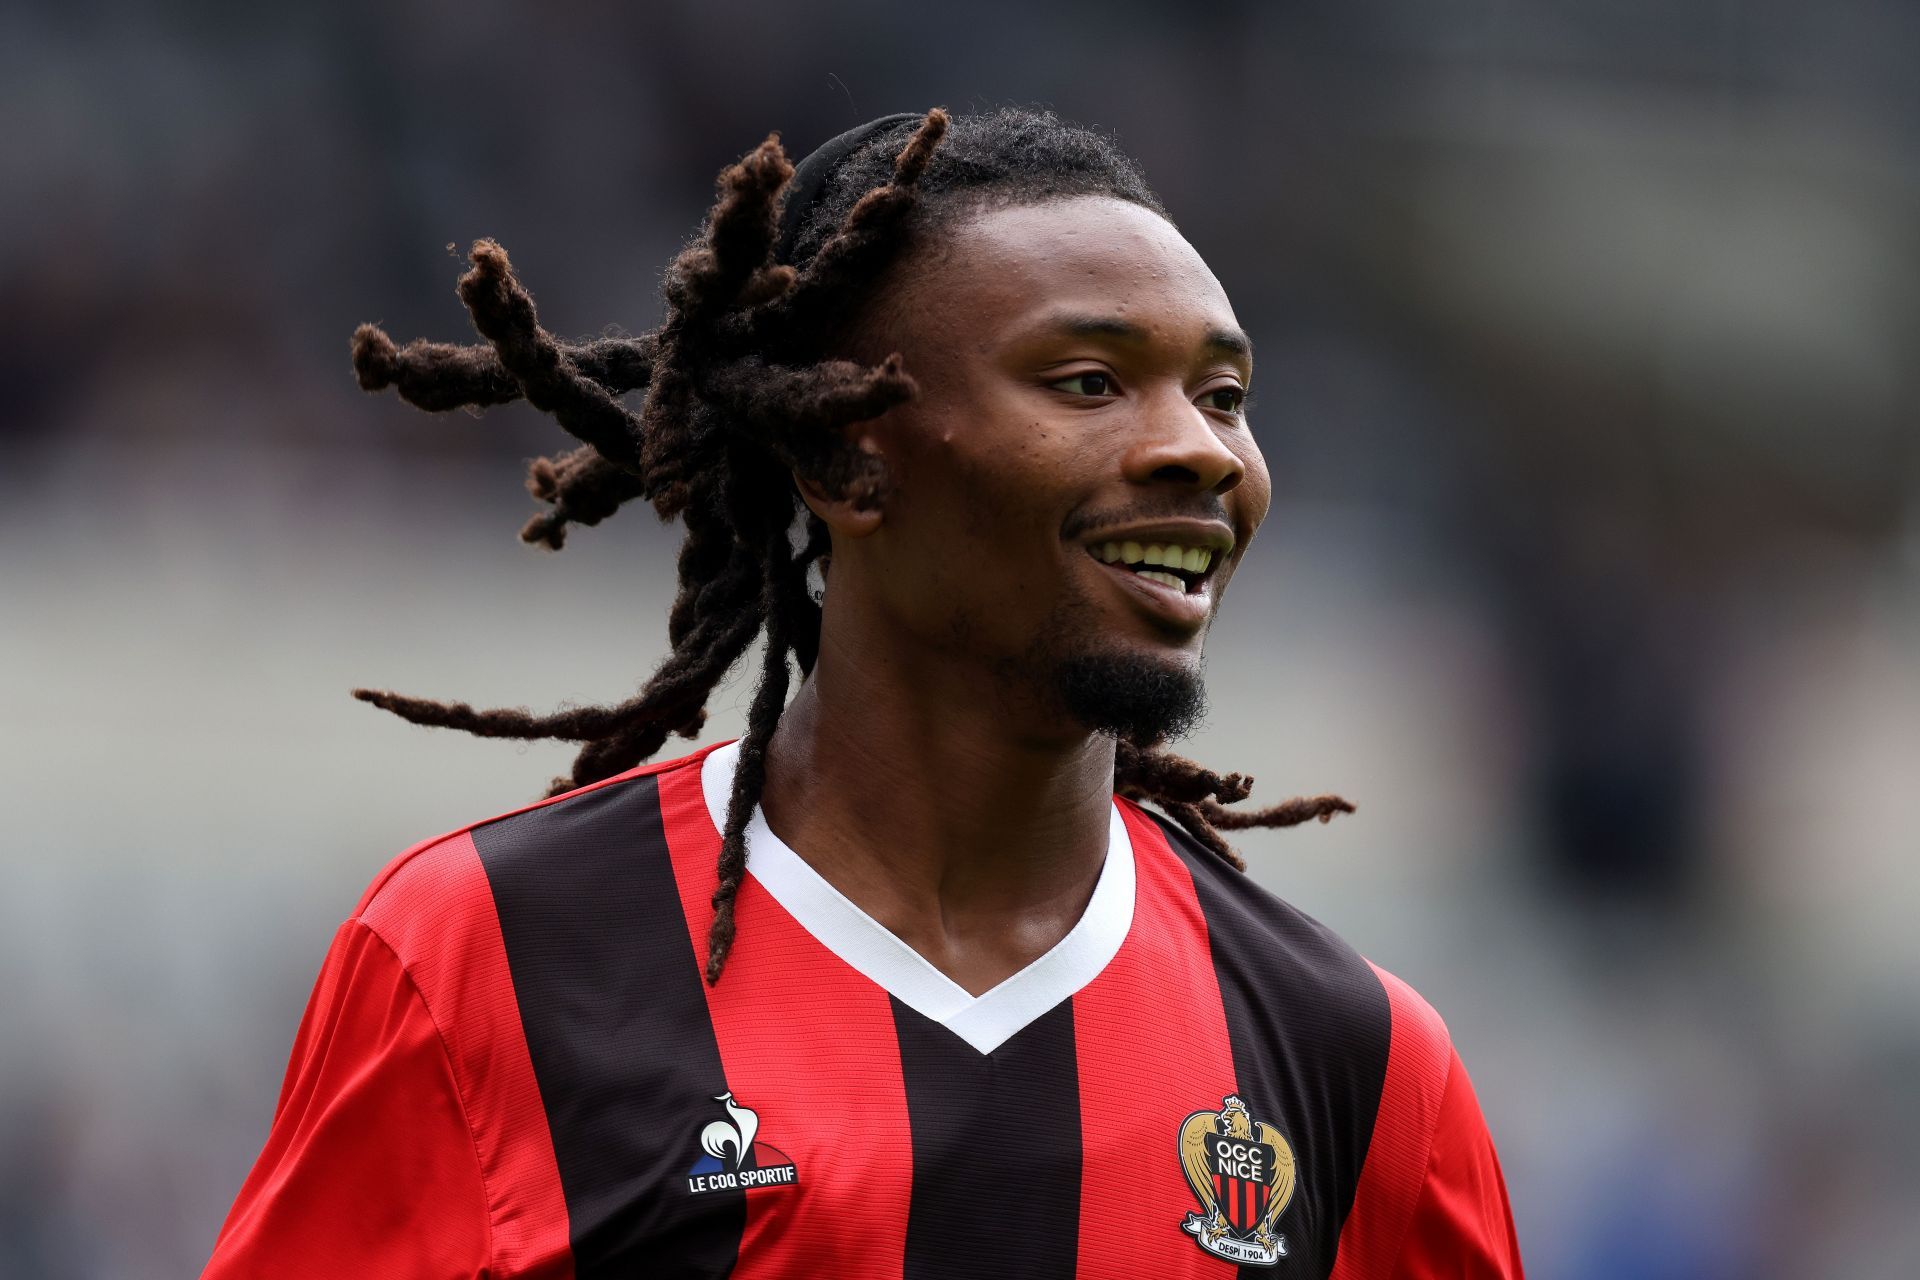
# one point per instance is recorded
(928, 768)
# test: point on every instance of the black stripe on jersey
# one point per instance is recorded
(996, 1150)
(1308, 1021)
(617, 1027)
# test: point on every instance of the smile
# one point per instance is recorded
(1178, 566)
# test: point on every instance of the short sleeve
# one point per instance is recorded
(370, 1167)
(1462, 1227)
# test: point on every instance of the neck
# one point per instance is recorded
(967, 822)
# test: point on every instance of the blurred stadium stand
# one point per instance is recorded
(1587, 378)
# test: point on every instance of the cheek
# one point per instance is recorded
(980, 496)
(1256, 486)
(993, 469)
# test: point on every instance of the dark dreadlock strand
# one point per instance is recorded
(744, 395)
(726, 613)
(794, 409)
(729, 263)
(431, 375)
(1288, 813)
(711, 274)
(750, 772)
(711, 565)
(1192, 795)
(503, 312)
(670, 697)
(583, 487)
(865, 242)
(673, 700)
(794, 405)
(439, 375)
(1172, 778)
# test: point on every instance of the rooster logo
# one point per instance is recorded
(733, 1157)
(718, 1136)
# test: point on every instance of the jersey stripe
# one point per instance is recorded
(1135, 1197)
(1309, 1023)
(996, 1150)
(435, 910)
(808, 1044)
(1418, 1064)
(616, 1025)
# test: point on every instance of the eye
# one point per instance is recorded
(1092, 383)
(1228, 399)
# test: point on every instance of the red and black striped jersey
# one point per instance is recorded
(512, 1067)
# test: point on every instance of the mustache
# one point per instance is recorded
(1209, 507)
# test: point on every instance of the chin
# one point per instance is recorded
(1144, 698)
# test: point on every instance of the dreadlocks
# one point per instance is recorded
(742, 396)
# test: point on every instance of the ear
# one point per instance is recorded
(846, 516)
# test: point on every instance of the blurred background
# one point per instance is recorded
(1587, 378)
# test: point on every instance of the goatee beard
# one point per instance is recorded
(1132, 697)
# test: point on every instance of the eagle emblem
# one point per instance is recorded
(1242, 1172)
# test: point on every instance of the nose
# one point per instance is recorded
(1178, 443)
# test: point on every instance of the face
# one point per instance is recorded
(1075, 483)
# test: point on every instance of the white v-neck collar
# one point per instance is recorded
(985, 1021)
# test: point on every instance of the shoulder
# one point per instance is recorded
(1281, 956)
(436, 899)
(1344, 1057)
(1252, 927)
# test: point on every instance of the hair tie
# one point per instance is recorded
(810, 177)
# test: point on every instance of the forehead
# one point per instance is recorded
(1001, 269)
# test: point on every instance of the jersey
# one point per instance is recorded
(511, 1066)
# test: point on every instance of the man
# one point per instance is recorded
(906, 981)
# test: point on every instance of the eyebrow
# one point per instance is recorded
(1234, 341)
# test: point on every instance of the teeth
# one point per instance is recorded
(1165, 579)
(1168, 555)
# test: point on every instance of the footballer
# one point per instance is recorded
(944, 968)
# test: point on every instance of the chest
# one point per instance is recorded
(1185, 1086)
(831, 1130)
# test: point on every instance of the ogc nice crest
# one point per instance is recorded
(1241, 1170)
